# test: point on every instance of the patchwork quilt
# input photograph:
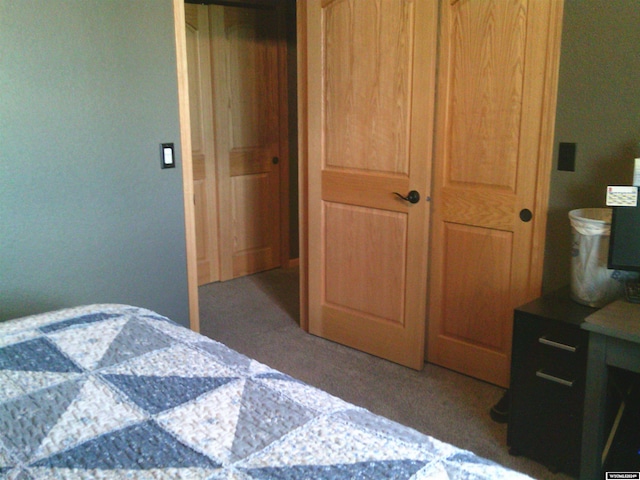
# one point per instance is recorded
(114, 391)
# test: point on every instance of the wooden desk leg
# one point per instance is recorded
(594, 409)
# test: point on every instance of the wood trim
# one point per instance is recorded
(365, 189)
(283, 104)
(540, 146)
(547, 131)
(303, 142)
(187, 165)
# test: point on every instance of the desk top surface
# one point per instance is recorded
(619, 319)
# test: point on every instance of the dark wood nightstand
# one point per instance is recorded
(548, 371)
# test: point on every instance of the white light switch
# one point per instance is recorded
(168, 161)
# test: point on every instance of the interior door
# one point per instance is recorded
(204, 168)
(371, 74)
(494, 132)
(248, 126)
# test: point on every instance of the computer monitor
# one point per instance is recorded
(624, 243)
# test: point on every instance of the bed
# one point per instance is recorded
(115, 391)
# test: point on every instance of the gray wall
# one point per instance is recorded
(599, 110)
(88, 91)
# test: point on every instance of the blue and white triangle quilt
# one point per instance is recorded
(114, 391)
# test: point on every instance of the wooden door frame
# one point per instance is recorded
(187, 161)
(180, 31)
(303, 167)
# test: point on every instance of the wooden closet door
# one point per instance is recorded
(496, 108)
(247, 85)
(371, 74)
(201, 116)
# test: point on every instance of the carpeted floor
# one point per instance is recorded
(258, 315)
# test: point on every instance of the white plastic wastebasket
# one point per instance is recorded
(592, 283)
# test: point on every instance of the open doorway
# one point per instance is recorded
(242, 89)
(231, 25)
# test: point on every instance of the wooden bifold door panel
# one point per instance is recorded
(201, 115)
(371, 71)
(247, 128)
(237, 82)
(497, 82)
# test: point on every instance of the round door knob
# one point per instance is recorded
(526, 215)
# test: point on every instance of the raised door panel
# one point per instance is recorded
(485, 103)
(381, 238)
(479, 266)
(368, 89)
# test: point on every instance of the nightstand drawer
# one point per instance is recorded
(560, 355)
(550, 352)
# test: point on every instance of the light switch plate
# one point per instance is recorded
(622, 196)
(567, 157)
(167, 158)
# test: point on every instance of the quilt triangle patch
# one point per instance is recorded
(396, 469)
(278, 376)
(157, 394)
(8, 338)
(176, 361)
(304, 394)
(155, 449)
(27, 382)
(330, 436)
(8, 388)
(467, 464)
(225, 355)
(25, 421)
(172, 329)
(135, 339)
(45, 473)
(257, 368)
(262, 406)
(99, 335)
(209, 423)
(37, 355)
(95, 410)
(81, 320)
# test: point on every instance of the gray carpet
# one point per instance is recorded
(258, 315)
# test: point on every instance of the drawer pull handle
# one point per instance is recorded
(552, 378)
(562, 346)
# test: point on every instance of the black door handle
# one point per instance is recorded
(412, 197)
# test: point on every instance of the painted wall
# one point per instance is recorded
(88, 93)
(599, 110)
